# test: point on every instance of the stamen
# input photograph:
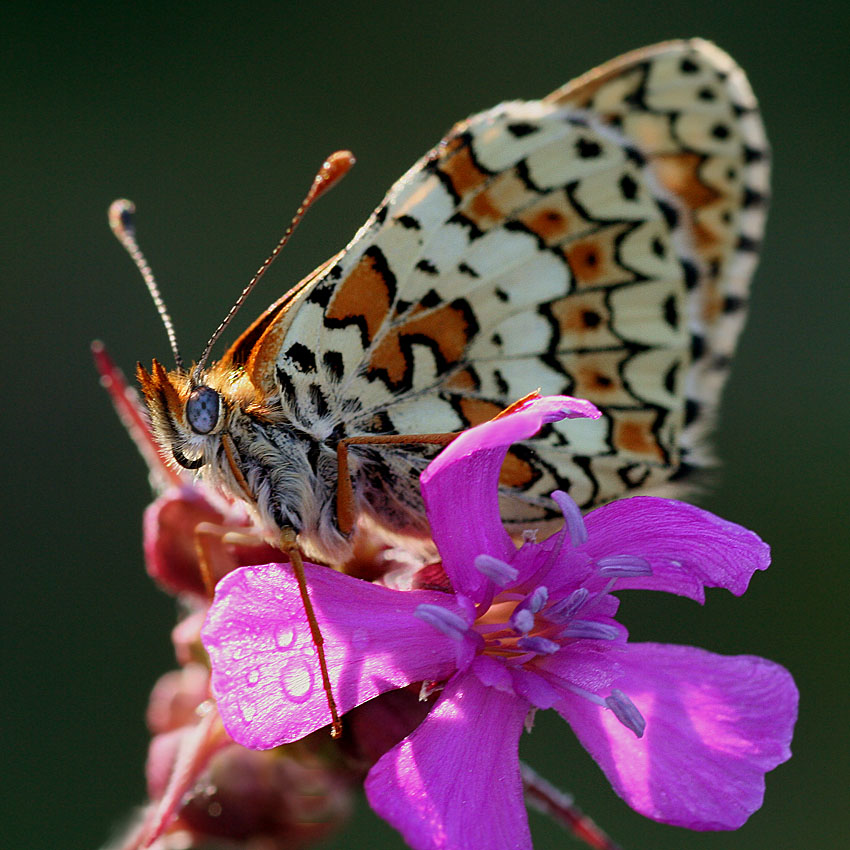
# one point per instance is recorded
(565, 609)
(537, 599)
(538, 645)
(626, 712)
(450, 624)
(500, 573)
(591, 630)
(522, 619)
(572, 517)
(624, 566)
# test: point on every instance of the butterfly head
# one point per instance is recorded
(188, 415)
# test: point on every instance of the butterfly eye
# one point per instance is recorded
(203, 409)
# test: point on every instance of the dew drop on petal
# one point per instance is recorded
(296, 680)
(285, 637)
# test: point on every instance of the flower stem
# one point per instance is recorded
(546, 798)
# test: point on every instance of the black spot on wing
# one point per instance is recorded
(430, 299)
(671, 312)
(302, 357)
(427, 267)
(628, 187)
(522, 128)
(319, 399)
(588, 148)
(321, 293)
(733, 304)
(334, 364)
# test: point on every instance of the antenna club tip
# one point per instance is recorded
(121, 214)
(333, 169)
(340, 159)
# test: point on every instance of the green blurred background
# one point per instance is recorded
(213, 119)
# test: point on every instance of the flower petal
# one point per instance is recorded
(714, 726)
(688, 548)
(455, 781)
(265, 672)
(460, 488)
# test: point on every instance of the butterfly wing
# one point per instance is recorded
(690, 109)
(598, 243)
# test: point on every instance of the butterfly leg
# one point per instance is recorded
(214, 560)
(289, 544)
(345, 514)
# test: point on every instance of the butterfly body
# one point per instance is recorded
(597, 243)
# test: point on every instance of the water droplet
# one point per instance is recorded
(360, 639)
(285, 637)
(297, 680)
(253, 677)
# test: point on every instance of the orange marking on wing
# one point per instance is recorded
(591, 259)
(705, 237)
(516, 472)
(679, 172)
(597, 377)
(502, 198)
(597, 382)
(483, 211)
(463, 380)
(712, 303)
(477, 410)
(364, 293)
(462, 171)
(586, 261)
(553, 218)
(550, 225)
(582, 316)
(446, 327)
(450, 146)
(632, 433)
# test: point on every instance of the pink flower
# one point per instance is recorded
(202, 786)
(683, 735)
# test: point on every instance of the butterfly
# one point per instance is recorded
(597, 243)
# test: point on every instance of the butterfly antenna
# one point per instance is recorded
(122, 223)
(334, 168)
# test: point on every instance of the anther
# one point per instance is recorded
(565, 609)
(499, 572)
(450, 624)
(590, 630)
(626, 712)
(572, 517)
(538, 645)
(522, 618)
(623, 566)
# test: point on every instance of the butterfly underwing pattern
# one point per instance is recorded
(597, 243)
